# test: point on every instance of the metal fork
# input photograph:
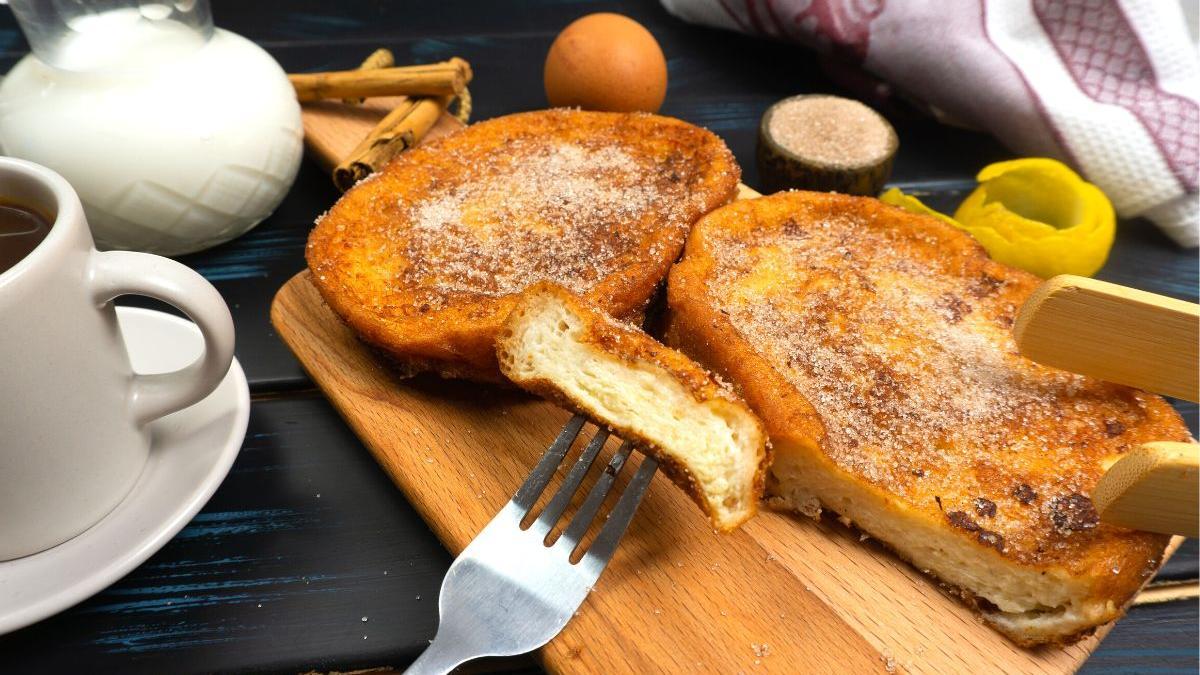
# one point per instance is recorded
(509, 592)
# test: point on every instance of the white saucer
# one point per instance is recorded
(190, 454)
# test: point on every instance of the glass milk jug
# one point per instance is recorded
(176, 135)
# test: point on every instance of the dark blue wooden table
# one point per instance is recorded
(307, 558)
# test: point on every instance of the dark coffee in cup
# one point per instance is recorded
(21, 230)
(74, 416)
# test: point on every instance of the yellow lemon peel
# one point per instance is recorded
(1036, 214)
(910, 203)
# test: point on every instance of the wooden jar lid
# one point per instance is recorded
(825, 143)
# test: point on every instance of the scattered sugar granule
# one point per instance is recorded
(761, 650)
(889, 663)
(364, 619)
(590, 204)
(910, 365)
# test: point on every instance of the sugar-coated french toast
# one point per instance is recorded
(875, 346)
(425, 258)
(705, 438)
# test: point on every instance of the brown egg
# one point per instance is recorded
(606, 62)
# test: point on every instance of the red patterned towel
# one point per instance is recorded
(1108, 86)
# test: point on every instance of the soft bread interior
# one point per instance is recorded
(715, 442)
(1030, 604)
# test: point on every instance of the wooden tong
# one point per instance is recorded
(1142, 340)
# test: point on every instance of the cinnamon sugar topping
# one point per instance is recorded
(581, 207)
(883, 359)
(917, 381)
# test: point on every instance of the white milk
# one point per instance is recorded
(173, 143)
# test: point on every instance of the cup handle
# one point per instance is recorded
(115, 273)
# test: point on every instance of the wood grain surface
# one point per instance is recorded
(677, 597)
(1152, 488)
(1114, 333)
(333, 128)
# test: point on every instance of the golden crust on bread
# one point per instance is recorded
(425, 258)
(705, 438)
(875, 346)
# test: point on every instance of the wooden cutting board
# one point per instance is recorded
(783, 594)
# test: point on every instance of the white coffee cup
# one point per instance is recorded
(73, 414)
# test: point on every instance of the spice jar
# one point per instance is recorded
(821, 142)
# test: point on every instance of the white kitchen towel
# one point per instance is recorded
(1108, 86)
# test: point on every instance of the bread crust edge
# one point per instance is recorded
(614, 338)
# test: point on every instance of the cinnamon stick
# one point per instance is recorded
(380, 58)
(401, 129)
(462, 107)
(435, 79)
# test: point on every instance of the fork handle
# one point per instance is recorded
(440, 657)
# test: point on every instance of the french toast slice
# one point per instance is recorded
(569, 350)
(425, 258)
(875, 346)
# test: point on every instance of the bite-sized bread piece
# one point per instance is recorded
(705, 438)
(876, 347)
(424, 259)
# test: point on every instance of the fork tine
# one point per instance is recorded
(618, 520)
(527, 495)
(566, 491)
(587, 511)
(506, 593)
